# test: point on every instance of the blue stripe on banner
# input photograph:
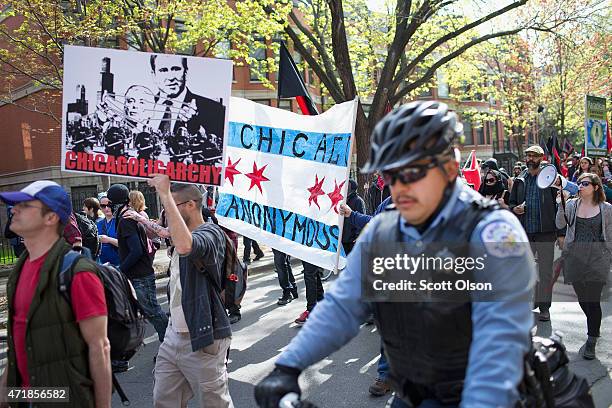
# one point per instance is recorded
(287, 224)
(331, 148)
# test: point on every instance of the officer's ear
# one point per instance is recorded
(451, 168)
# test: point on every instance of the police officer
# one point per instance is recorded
(440, 353)
(114, 138)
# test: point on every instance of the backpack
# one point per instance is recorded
(234, 282)
(547, 380)
(89, 233)
(126, 324)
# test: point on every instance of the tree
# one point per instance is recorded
(405, 46)
(34, 32)
(575, 61)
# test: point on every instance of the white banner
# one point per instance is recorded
(132, 113)
(285, 177)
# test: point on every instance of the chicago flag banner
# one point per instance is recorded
(285, 177)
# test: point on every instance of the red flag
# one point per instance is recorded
(471, 171)
(609, 138)
(380, 183)
(290, 83)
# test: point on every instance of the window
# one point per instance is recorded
(262, 101)
(180, 30)
(284, 104)
(480, 134)
(258, 53)
(79, 194)
(222, 51)
(132, 41)
(443, 89)
(467, 131)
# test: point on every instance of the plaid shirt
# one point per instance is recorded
(532, 205)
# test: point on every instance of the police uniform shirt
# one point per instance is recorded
(500, 332)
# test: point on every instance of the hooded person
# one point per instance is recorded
(491, 164)
(493, 188)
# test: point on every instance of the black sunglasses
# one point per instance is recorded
(104, 205)
(491, 180)
(584, 183)
(409, 174)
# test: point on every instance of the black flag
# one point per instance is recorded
(290, 83)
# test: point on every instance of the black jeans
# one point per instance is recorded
(282, 264)
(314, 286)
(248, 242)
(589, 298)
(543, 243)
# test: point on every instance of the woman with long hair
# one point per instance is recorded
(91, 208)
(587, 251)
(107, 232)
(598, 169)
(583, 167)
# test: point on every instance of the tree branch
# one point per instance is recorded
(432, 70)
(399, 77)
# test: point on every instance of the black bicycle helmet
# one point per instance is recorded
(118, 194)
(412, 132)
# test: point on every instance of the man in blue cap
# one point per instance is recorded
(78, 356)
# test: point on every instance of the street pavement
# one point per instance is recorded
(342, 379)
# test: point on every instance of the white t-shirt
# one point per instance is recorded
(177, 316)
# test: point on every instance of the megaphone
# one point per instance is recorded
(548, 177)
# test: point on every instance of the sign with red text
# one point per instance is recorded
(132, 114)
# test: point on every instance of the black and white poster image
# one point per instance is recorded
(133, 113)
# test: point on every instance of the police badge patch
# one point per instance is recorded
(501, 240)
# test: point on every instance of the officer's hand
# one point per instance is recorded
(276, 385)
(345, 210)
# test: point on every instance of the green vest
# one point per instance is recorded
(57, 353)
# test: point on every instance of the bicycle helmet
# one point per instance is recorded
(118, 194)
(412, 132)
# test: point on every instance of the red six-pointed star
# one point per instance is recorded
(335, 196)
(257, 177)
(230, 170)
(315, 191)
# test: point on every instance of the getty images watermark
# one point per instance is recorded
(411, 265)
(446, 271)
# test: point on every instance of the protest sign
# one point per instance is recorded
(136, 113)
(595, 126)
(285, 177)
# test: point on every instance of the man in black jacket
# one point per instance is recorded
(536, 209)
(349, 231)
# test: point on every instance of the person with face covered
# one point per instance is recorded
(493, 188)
(536, 209)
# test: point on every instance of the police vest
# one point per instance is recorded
(427, 342)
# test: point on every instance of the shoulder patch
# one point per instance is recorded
(502, 240)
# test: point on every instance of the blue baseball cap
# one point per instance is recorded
(48, 192)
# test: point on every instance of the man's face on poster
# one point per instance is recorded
(169, 75)
(137, 103)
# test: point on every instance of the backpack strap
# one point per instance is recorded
(67, 273)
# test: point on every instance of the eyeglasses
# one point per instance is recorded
(104, 205)
(584, 183)
(409, 174)
(184, 202)
(491, 180)
(25, 205)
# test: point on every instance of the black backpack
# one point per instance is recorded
(89, 233)
(234, 282)
(126, 324)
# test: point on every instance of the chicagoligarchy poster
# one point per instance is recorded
(131, 114)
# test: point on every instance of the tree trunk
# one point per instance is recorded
(362, 140)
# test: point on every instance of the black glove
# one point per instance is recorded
(276, 385)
